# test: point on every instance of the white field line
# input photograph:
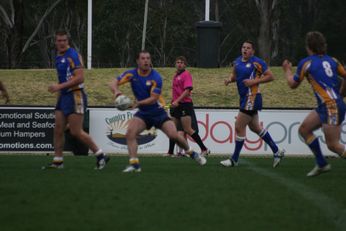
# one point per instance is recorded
(331, 209)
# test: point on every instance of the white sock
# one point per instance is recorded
(99, 152)
(58, 159)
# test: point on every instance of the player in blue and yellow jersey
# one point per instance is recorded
(248, 72)
(72, 101)
(322, 72)
(146, 84)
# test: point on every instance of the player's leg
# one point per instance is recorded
(257, 128)
(306, 129)
(135, 127)
(75, 122)
(241, 122)
(171, 141)
(332, 136)
(186, 122)
(60, 123)
(170, 130)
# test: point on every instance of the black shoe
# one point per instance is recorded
(101, 161)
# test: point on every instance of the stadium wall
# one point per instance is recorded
(30, 129)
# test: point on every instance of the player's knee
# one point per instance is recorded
(130, 134)
(333, 146)
(302, 131)
(75, 132)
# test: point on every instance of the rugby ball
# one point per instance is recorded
(122, 102)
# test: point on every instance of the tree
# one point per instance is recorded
(14, 28)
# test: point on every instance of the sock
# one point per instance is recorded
(264, 134)
(239, 142)
(314, 145)
(171, 146)
(134, 162)
(58, 160)
(198, 140)
(191, 153)
(99, 152)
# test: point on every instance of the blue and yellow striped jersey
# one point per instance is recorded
(322, 73)
(65, 65)
(143, 85)
(251, 69)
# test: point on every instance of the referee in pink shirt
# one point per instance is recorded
(182, 110)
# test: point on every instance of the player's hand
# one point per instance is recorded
(54, 88)
(116, 94)
(286, 65)
(249, 82)
(227, 81)
(134, 105)
(175, 104)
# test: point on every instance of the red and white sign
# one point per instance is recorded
(216, 128)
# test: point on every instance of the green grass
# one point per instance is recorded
(29, 87)
(170, 194)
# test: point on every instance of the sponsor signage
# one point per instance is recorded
(216, 128)
(26, 129)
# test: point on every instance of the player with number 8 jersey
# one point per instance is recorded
(322, 73)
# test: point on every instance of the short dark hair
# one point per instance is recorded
(181, 58)
(316, 42)
(61, 33)
(142, 52)
(250, 42)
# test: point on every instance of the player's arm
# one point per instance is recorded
(287, 67)
(266, 77)
(120, 80)
(76, 79)
(148, 101)
(231, 77)
(3, 93)
(342, 72)
(186, 93)
(114, 87)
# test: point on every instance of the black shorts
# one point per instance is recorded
(185, 109)
(249, 112)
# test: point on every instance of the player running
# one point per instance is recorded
(146, 84)
(248, 72)
(322, 73)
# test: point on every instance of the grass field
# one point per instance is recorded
(170, 194)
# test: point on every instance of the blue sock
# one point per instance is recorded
(314, 145)
(264, 134)
(239, 142)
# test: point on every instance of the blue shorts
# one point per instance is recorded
(251, 103)
(73, 102)
(154, 118)
(332, 113)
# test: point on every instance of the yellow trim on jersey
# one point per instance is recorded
(323, 95)
(340, 68)
(162, 101)
(72, 64)
(258, 74)
(79, 103)
(303, 73)
(125, 79)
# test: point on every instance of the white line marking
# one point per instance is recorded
(330, 208)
